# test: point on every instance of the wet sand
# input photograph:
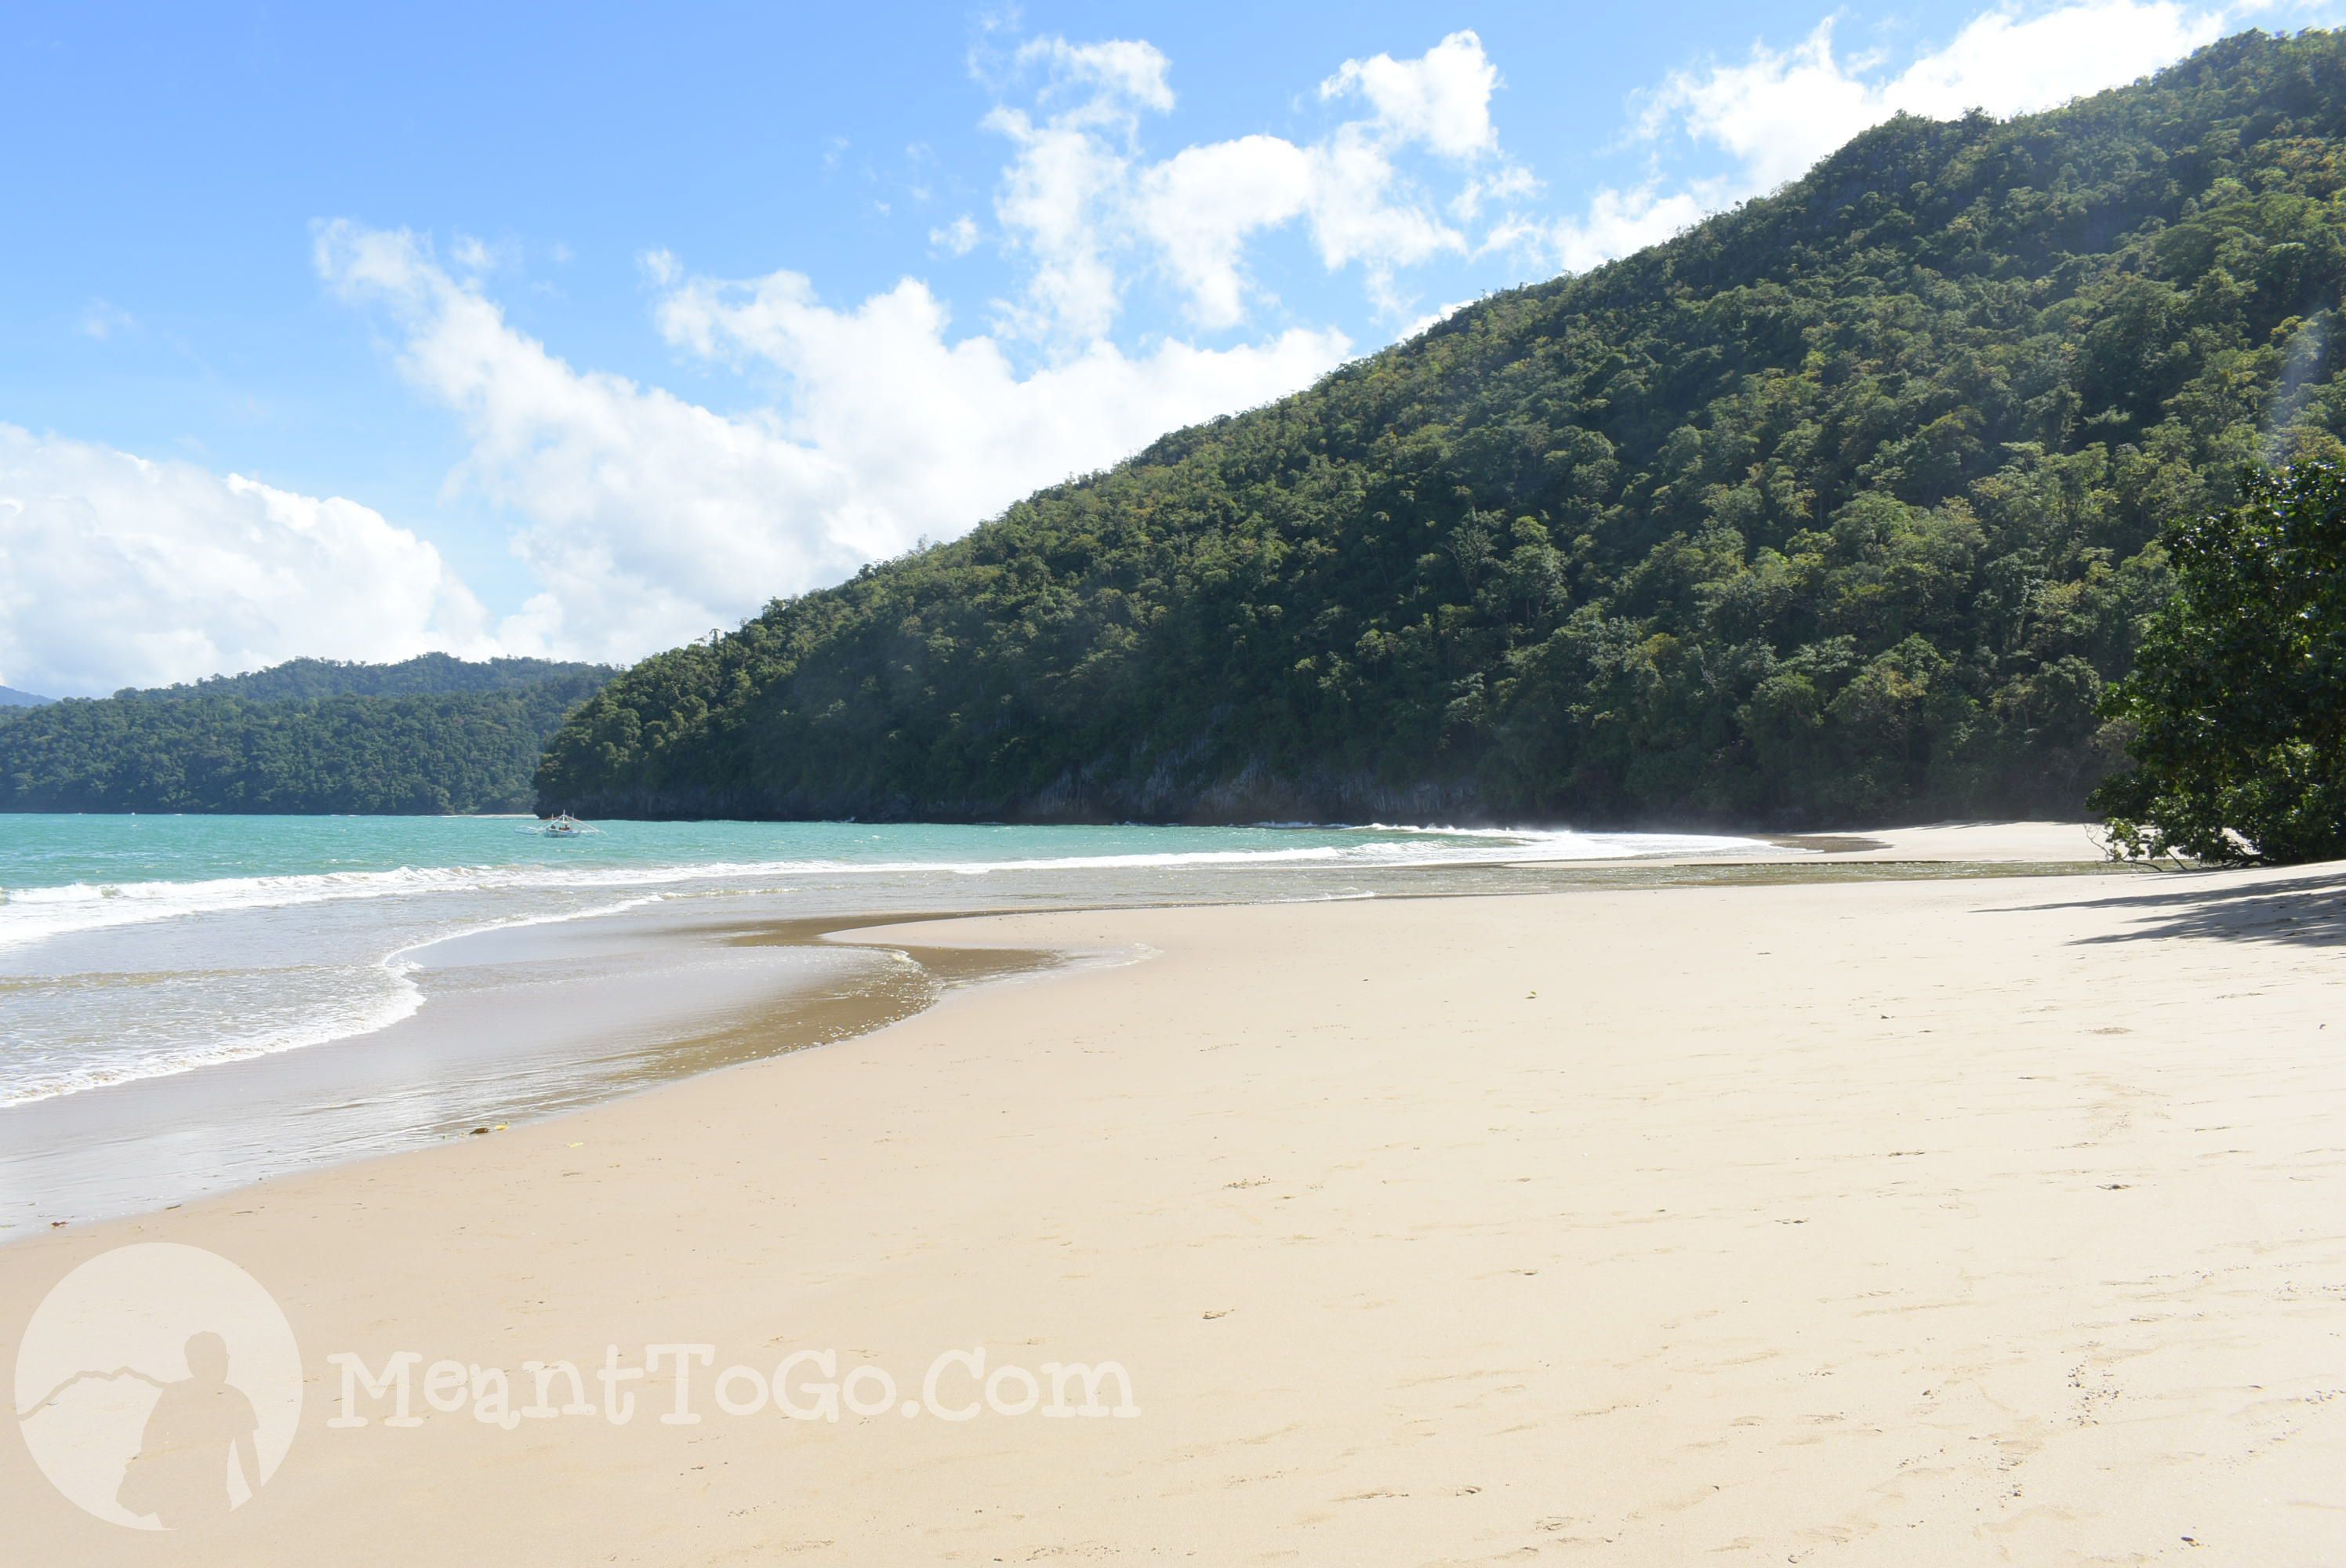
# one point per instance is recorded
(1940, 1220)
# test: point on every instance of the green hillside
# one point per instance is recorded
(431, 734)
(1838, 506)
(425, 675)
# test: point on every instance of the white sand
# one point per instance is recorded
(1929, 1222)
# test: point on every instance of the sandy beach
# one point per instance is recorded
(1952, 1220)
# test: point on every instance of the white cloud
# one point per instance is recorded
(1620, 221)
(2007, 65)
(471, 253)
(958, 238)
(1507, 182)
(117, 570)
(1354, 215)
(1433, 319)
(1124, 72)
(1443, 98)
(1080, 193)
(1776, 112)
(1200, 206)
(648, 519)
(1066, 167)
(661, 269)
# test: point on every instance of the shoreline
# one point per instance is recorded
(482, 1059)
(78, 1158)
(1939, 1218)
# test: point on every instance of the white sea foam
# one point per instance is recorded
(329, 1020)
(392, 998)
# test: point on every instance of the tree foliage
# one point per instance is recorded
(1841, 504)
(433, 735)
(425, 675)
(2238, 696)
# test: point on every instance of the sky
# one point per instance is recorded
(584, 330)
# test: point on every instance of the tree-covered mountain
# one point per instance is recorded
(430, 735)
(1839, 505)
(11, 697)
(425, 675)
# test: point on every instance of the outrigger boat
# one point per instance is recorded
(566, 826)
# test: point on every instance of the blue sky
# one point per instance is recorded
(583, 329)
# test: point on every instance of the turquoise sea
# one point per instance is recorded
(136, 952)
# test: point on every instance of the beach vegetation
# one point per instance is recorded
(2236, 707)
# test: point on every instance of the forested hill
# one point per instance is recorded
(431, 734)
(425, 675)
(1834, 507)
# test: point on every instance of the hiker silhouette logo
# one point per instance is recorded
(158, 1386)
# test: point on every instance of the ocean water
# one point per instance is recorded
(191, 1002)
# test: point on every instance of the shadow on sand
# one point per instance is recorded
(2302, 911)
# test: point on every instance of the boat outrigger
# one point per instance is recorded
(566, 826)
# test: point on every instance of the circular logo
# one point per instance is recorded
(158, 1386)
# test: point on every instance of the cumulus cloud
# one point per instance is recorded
(1200, 206)
(1081, 192)
(1356, 216)
(1124, 71)
(1775, 112)
(1779, 112)
(118, 571)
(1443, 98)
(648, 519)
(1066, 167)
(1618, 222)
(645, 518)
